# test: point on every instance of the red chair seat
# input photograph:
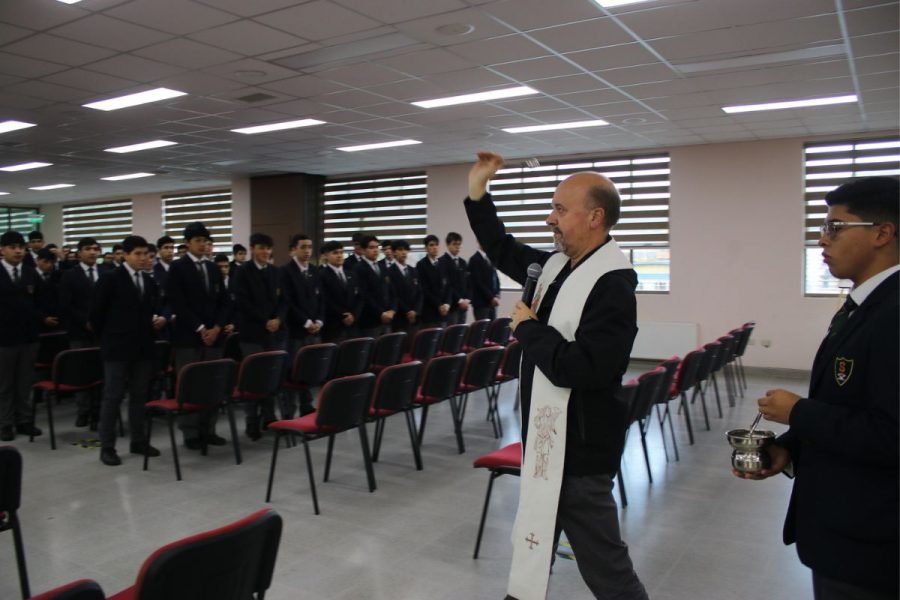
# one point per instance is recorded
(170, 404)
(420, 399)
(305, 424)
(63, 387)
(381, 412)
(490, 343)
(465, 387)
(239, 395)
(509, 457)
(123, 595)
(407, 358)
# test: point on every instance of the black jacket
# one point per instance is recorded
(191, 304)
(376, 291)
(258, 298)
(19, 306)
(457, 278)
(435, 289)
(408, 291)
(485, 284)
(592, 365)
(339, 299)
(48, 305)
(122, 317)
(303, 294)
(843, 441)
(76, 291)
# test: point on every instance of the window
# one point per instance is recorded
(213, 209)
(828, 165)
(107, 222)
(391, 207)
(19, 218)
(522, 196)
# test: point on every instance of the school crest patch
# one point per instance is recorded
(843, 369)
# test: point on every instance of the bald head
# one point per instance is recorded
(596, 191)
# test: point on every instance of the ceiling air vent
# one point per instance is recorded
(257, 97)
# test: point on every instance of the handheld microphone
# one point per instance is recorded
(534, 272)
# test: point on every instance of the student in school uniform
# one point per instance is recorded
(306, 310)
(387, 248)
(124, 316)
(35, 244)
(379, 302)
(458, 276)
(342, 301)
(356, 256)
(48, 306)
(435, 285)
(239, 252)
(198, 300)
(405, 281)
(485, 286)
(19, 298)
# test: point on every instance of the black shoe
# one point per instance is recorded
(140, 447)
(109, 456)
(193, 443)
(82, 421)
(215, 440)
(253, 432)
(7, 434)
(28, 429)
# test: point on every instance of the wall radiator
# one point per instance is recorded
(662, 339)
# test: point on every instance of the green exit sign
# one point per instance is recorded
(36, 219)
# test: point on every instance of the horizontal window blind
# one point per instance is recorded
(391, 207)
(213, 209)
(107, 222)
(827, 165)
(15, 218)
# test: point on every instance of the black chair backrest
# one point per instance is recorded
(626, 396)
(482, 365)
(51, 344)
(353, 357)
(442, 375)
(10, 479)
(388, 349)
(260, 373)
(499, 331)
(743, 338)
(313, 364)
(671, 366)
(452, 339)
(649, 384)
(163, 351)
(344, 402)
(512, 359)
(231, 563)
(78, 367)
(395, 388)
(705, 366)
(425, 343)
(686, 377)
(477, 333)
(728, 343)
(83, 589)
(232, 347)
(208, 383)
(712, 361)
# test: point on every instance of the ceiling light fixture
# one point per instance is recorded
(56, 186)
(477, 97)
(129, 176)
(7, 126)
(4, 193)
(380, 145)
(552, 126)
(278, 126)
(154, 95)
(25, 166)
(615, 3)
(139, 147)
(69, 1)
(790, 104)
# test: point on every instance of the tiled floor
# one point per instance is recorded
(696, 532)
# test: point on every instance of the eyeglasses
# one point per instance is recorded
(832, 228)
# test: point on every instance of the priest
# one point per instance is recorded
(576, 339)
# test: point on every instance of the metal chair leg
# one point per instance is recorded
(278, 436)
(234, 434)
(171, 421)
(623, 498)
(367, 459)
(487, 501)
(312, 479)
(414, 442)
(687, 418)
(328, 457)
(20, 554)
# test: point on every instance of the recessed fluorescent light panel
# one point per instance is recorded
(552, 126)
(615, 3)
(57, 186)
(4, 193)
(25, 166)
(478, 97)
(789, 104)
(135, 99)
(129, 176)
(139, 147)
(278, 126)
(7, 126)
(381, 145)
(69, 1)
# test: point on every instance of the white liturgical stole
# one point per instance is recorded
(545, 448)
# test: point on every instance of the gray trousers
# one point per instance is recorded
(119, 377)
(590, 518)
(192, 425)
(16, 377)
(831, 589)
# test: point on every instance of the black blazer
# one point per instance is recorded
(377, 294)
(843, 441)
(592, 365)
(258, 298)
(19, 306)
(351, 261)
(191, 304)
(409, 292)
(122, 318)
(48, 304)
(160, 275)
(303, 293)
(339, 299)
(76, 291)
(457, 277)
(435, 289)
(484, 281)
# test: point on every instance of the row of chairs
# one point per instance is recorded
(671, 380)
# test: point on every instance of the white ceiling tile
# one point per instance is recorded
(427, 62)
(641, 74)
(884, 17)
(878, 64)
(594, 33)
(613, 57)
(593, 97)
(10, 33)
(251, 71)
(536, 68)
(21, 66)
(101, 30)
(47, 91)
(172, 16)
(463, 82)
(11, 102)
(875, 43)
(408, 90)
(56, 49)
(396, 11)
(349, 99)
(317, 20)
(538, 14)
(361, 75)
(499, 49)
(305, 86)
(674, 87)
(248, 9)
(197, 82)
(426, 29)
(24, 14)
(529, 104)
(879, 81)
(187, 54)
(135, 67)
(566, 85)
(248, 38)
(90, 81)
